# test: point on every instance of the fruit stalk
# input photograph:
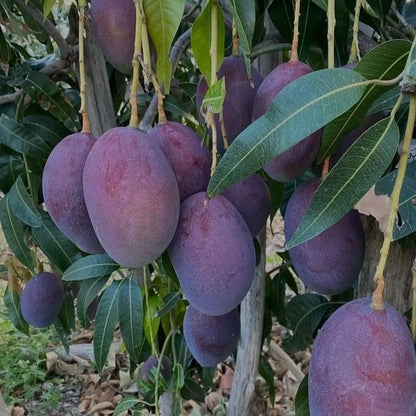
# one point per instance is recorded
(377, 301)
(295, 41)
(331, 33)
(86, 128)
(214, 65)
(235, 39)
(134, 117)
(355, 50)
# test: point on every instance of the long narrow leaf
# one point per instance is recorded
(301, 108)
(105, 323)
(23, 205)
(386, 61)
(359, 169)
(91, 266)
(15, 234)
(88, 291)
(130, 313)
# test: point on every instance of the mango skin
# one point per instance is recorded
(63, 192)
(211, 339)
(42, 299)
(293, 162)
(213, 254)
(251, 197)
(152, 362)
(131, 195)
(330, 262)
(363, 363)
(239, 97)
(189, 158)
(114, 27)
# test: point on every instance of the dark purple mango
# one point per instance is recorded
(213, 254)
(131, 195)
(251, 197)
(42, 298)
(152, 362)
(293, 162)
(189, 158)
(363, 363)
(330, 262)
(63, 193)
(114, 27)
(211, 339)
(239, 97)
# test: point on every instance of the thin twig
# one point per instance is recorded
(178, 48)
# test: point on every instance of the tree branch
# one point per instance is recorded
(63, 46)
(175, 54)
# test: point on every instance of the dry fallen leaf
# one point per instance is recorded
(375, 205)
(18, 411)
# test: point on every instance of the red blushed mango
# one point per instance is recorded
(330, 262)
(189, 158)
(239, 97)
(211, 339)
(251, 197)
(213, 254)
(114, 27)
(131, 195)
(42, 299)
(363, 363)
(293, 162)
(152, 362)
(63, 193)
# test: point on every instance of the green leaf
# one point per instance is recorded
(304, 314)
(244, 15)
(5, 50)
(323, 4)
(192, 391)
(22, 139)
(276, 295)
(47, 7)
(151, 321)
(126, 403)
(302, 398)
(301, 108)
(88, 291)
(163, 19)
(130, 313)
(67, 313)
(215, 96)
(387, 100)
(15, 234)
(184, 356)
(201, 41)
(12, 303)
(52, 99)
(168, 303)
(354, 174)
(266, 371)
(23, 205)
(407, 208)
(11, 166)
(51, 130)
(105, 323)
(61, 251)
(384, 62)
(94, 265)
(178, 377)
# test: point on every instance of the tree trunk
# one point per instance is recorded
(251, 318)
(398, 273)
(3, 408)
(99, 101)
